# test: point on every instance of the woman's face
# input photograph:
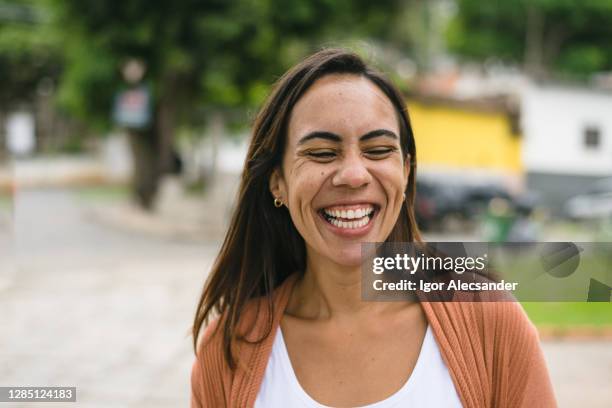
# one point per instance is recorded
(343, 172)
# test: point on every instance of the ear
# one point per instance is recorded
(277, 186)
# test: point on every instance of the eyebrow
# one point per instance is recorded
(332, 137)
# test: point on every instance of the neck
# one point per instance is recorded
(328, 290)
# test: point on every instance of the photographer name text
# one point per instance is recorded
(454, 284)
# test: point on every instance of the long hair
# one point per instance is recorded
(262, 246)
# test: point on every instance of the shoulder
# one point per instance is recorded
(253, 318)
(211, 341)
(211, 375)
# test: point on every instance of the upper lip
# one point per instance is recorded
(350, 202)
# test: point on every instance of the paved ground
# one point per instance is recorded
(106, 310)
(581, 372)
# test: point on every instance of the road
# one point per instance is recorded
(108, 311)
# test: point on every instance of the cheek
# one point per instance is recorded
(307, 190)
(305, 184)
(392, 176)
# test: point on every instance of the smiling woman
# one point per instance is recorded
(332, 164)
(342, 157)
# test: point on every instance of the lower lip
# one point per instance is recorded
(350, 232)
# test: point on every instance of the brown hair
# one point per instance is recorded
(262, 247)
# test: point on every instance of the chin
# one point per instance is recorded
(349, 257)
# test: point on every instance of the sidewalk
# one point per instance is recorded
(59, 171)
(99, 308)
(178, 215)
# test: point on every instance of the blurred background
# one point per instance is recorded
(124, 126)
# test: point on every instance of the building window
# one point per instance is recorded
(592, 137)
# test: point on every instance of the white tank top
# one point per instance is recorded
(429, 385)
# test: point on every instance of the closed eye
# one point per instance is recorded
(321, 155)
(380, 152)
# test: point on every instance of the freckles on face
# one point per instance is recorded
(303, 181)
(343, 166)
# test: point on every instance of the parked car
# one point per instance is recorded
(595, 203)
(477, 198)
(436, 201)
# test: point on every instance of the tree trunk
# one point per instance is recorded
(534, 40)
(3, 141)
(145, 178)
(166, 124)
(153, 149)
(216, 129)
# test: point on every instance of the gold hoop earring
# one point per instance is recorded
(277, 202)
(404, 196)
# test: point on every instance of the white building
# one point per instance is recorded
(567, 139)
(20, 133)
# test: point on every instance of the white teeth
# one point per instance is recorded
(350, 224)
(350, 214)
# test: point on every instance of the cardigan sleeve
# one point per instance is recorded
(538, 391)
(208, 373)
(522, 361)
(196, 386)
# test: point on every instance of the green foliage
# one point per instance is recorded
(583, 59)
(89, 82)
(28, 50)
(483, 43)
(216, 53)
(567, 37)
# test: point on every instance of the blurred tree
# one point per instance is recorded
(27, 50)
(221, 54)
(28, 53)
(567, 37)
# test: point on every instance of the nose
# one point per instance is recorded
(352, 172)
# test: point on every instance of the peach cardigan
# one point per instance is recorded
(491, 349)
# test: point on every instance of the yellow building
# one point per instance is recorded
(480, 135)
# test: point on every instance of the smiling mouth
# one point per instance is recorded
(353, 218)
